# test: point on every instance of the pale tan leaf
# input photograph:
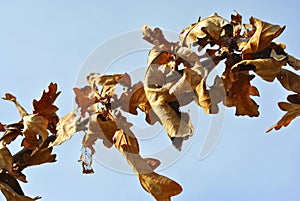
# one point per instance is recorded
(66, 128)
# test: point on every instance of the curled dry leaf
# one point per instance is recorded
(262, 37)
(267, 68)
(295, 63)
(236, 21)
(11, 189)
(208, 27)
(108, 83)
(86, 100)
(13, 99)
(66, 128)
(292, 109)
(136, 98)
(160, 187)
(12, 131)
(6, 160)
(34, 125)
(289, 80)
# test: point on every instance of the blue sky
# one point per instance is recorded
(43, 41)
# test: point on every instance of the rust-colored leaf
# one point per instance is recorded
(45, 107)
(34, 125)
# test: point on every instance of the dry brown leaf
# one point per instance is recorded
(262, 37)
(34, 125)
(11, 189)
(155, 36)
(152, 162)
(267, 68)
(6, 159)
(13, 99)
(238, 95)
(86, 100)
(292, 109)
(289, 80)
(160, 187)
(295, 63)
(12, 131)
(100, 126)
(236, 21)
(209, 27)
(136, 98)
(108, 83)
(45, 107)
(208, 99)
(66, 128)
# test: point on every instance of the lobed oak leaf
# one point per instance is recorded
(238, 94)
(289, 80)
(292, 109)
(155, 37)
(160, 187)
(45, 107)
(13, 99)
(262, 37)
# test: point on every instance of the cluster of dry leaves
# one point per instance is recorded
(177, 75)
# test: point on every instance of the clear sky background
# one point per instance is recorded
(43, 42)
